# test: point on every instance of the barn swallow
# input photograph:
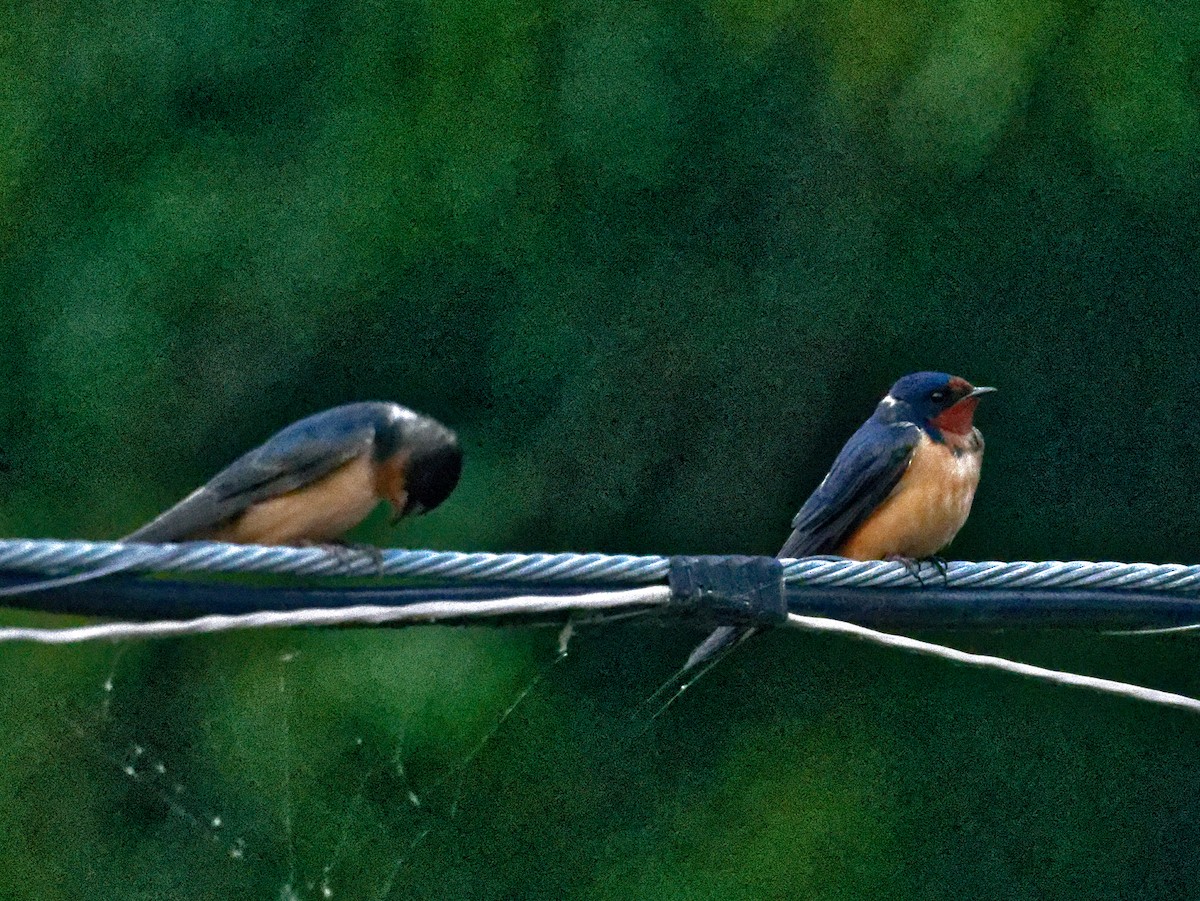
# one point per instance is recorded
(308, 484)
(318, 478)
(901, 487)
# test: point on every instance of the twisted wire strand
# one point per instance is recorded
(606, 602)
(54, 557)
(835, 572)
(637, 600)
(985, 661)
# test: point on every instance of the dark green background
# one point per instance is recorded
(654, 261)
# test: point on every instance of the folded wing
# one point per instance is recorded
(862, 476)
(299, 454)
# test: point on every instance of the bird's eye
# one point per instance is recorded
(938, 396)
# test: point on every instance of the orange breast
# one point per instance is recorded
(926, 508)
(321, 511)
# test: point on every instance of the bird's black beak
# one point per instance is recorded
(977, 392)
(411, 508)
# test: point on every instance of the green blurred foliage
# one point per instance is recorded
(654, 261)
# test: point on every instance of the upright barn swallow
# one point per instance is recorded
(318, 478)
(901, 488)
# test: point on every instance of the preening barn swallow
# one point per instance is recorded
(308, 484)
(318, 478)
(901, 487)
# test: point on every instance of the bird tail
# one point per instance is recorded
(706, 655)
(791, 546)
(21, 588)
(722, 640)
(719, 643)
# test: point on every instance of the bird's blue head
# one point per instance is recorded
(936, 401)
(419, 459)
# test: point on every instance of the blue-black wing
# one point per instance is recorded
(299, 454)
(864, 473)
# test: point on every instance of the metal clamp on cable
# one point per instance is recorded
(731, 590)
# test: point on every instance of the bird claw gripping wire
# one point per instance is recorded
(355, 558)
(912, 565)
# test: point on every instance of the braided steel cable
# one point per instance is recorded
(836, 572)
(97, 578)
(52, 557)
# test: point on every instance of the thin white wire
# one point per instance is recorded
(604, 601)
(363, 614)
(1166, 630)
(1137, 692)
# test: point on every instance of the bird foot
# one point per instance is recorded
(939, 563)
(353, 556)
(913, 566)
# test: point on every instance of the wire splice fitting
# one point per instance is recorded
(732, 590)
